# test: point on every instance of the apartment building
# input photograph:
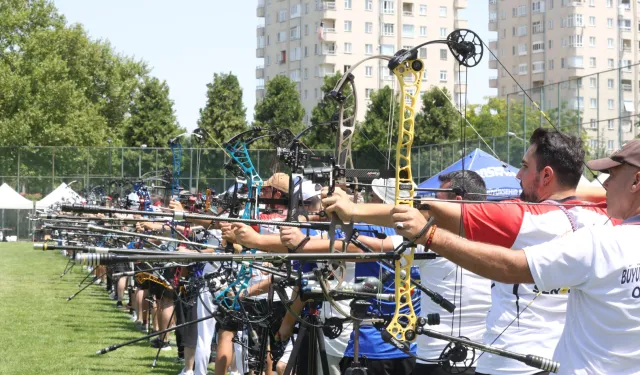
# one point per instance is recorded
(547, 45)
(307, 40)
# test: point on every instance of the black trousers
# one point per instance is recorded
(396, 366)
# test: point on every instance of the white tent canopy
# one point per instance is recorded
(62, 193)
(11, 200)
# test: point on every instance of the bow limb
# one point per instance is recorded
(402, 326)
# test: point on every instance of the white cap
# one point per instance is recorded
(385, 189)
(310, 190)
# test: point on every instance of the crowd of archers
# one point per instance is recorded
(505, 286)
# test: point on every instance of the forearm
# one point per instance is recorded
(266, 242)
(376, 214)
(317, 245)
(490, 261)
(204, 223)
(447, 214)
(259, 288)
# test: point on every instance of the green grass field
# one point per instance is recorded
(42, 333)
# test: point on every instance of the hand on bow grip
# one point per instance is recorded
(338, 203)
(245, 235)
(291, 237)
(175, 205)
(408, 221)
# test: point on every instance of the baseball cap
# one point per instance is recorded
(310, 190)
(628, 154)
(279, 181)
(385, 189)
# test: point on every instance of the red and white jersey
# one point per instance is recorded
(271, 229)
(516, 226)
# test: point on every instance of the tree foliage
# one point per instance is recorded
(438, 120)
(224, 115)
(280, 108)
(57, 86)
(152, 119)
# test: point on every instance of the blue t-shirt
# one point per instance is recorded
(371, 344)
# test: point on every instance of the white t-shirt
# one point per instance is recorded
(337, 346)
(469, 292)
(601, 265)
(538, 329)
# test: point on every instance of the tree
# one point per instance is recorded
(224, 115)
(327, 111)
(152, 120)
(438, 121)
(280, 108)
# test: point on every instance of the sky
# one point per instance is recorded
(186, 42)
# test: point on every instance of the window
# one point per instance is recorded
(610, 83)
(537, 6)
(407, 31)
(368, 5)
(268, 19)
(550, 25)
(592, 41)
(443, 76)
(282, 16)
(296, 10)
(295, 75)
(522, 10)
(514, 12)
(610, 63)
(443, 11)
(367, 93)
(562, 62)
(422, 52)
(537, 47)
(267, 60)
(282, 57)
(593, 82)
(575, 40)
(523, 69)
(550, 44)
(388, 6)
(423, 31)
(522, 49)
(522, 30)
(592, 21)
(347, 4)
(610, 23)
(550, 65)
(347, 48)
(315, 93)
(592, 62)
(443, 54)
(537, 67)
(610, 43)
(306, 94)
(609, 5)
(592, 3)
(387, 49)
(610, 125)
(387, 29)
(368, 27)
(295, 54)
(282, 36)
(306, 51)
(423, 9)
(294, 33)
(425, 76)
(315, 49)
(537, 27)
(306, 73)
(306, 30)
(610, 145)
(610, 104)
(368, 49)
(576, 62)
(594, 125)
(368, 71)
(443, 32)
(347, 26)
(593, 103)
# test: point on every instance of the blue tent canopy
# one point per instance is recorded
(499, 177)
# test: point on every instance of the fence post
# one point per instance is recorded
(598, 115)
(191, 170)
(53, 168)
(18, 186)
(524, 123)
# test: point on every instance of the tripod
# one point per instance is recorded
(310, 334)
(359, 310)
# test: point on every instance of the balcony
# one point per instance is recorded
(493, 25)
(493, 83)
(407, 9)
(460, 4)
(259, 72)
(260, 30)
(259, 92)
(627, 87)
(493, 64)
(493, 44)
(326, 5)
(461, 24)
(260, 9)
(575, 3)
(260, 53)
